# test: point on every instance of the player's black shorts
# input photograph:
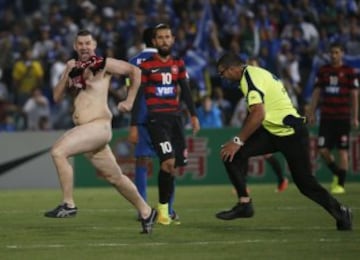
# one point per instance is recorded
(167, 135)
(334, 134)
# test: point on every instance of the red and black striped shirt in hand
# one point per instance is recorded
(336, 84)
(159, 84)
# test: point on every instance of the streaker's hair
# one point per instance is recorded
(229, 59)
(84, 32)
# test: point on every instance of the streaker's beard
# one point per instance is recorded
(164, 52)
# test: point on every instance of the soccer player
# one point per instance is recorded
(138, 134)
(273, 124)
(337, 87)
(162, 74)
(89, 79)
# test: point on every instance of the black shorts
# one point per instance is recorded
(334, 134)
(167, 136)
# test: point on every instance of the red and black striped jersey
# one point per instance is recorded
(336, 84)
(159, 81)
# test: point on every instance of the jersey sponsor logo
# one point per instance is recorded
(334, 80)
(165, 91)
(154, 70)
(332, 89)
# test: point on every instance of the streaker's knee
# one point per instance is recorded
(56, 152)
(112, 178)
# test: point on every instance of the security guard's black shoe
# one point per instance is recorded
(240, 210)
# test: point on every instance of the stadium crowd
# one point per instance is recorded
(287, 37)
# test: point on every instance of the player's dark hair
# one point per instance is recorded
(148, 35)
(161, 26)
(337, 45)
(229, 59)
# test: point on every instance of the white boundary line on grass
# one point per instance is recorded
(159, 244)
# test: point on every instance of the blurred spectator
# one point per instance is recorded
(37, 110)
(9, 113)
(27, 75)
(310, 33)
(108, 36)
(203, 29)
(19, 40)
(293, 89)
(287, 62)
(308, 11)
(62, 116)
(68, 30)
(118, 93)
(4, 93)
(328, 16)
(44, 123)
(266, 27)
(6, 57)
(55, 52)
(352, 43)
(5, 120)
(209, 114)
(86, 12)
(7, 17)
(250, 35)
(223, 104)
(136, 47)
(58, 67)
(239, 114)
(44, 45)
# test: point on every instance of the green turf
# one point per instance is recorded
(285, 226)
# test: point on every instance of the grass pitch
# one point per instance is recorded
(285, 226)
